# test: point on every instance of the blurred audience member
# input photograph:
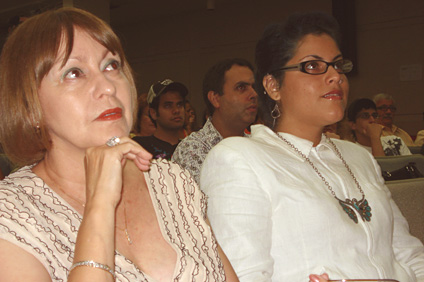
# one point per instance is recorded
(331, 131)
(144, 125)
(386, 110)
(362, 115)
(232, 104)
(166, 101)
(419, 141)
(190, 121)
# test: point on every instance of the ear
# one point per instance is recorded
(153, 114)
(213, 97)
(272, 87)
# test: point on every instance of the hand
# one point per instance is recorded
(373, 130)
(104, 165)
(318, 278)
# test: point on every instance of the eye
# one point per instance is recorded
(241, 87)
(113, 65)
(73, 73)
(312, 65)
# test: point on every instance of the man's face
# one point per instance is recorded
(170, 114)
(363, 119)
(386, 111)
(239, 102)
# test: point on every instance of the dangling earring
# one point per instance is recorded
(275, 113)
(37, 128)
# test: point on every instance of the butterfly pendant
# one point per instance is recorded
(361, 206)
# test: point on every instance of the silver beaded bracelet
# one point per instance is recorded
(93, 264)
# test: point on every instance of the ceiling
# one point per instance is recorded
(122, 12)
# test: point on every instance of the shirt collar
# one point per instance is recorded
(303, 145)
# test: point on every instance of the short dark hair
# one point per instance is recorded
(278, 45)
(215, 78)
(358, 105)
(156, 101)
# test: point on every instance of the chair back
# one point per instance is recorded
(408, 194)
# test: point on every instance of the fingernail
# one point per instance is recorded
(314, 278)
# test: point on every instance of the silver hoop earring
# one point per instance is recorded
(265, 92)
(275, 113)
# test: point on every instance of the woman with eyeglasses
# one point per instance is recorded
(288, 201)
(362, 115)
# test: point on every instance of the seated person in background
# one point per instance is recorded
(232, 104)
(144, 125)
(331, 131)
(419, 141)
(386, 110)
(87, 205)
(166, 101)
(190, 121)
(362, 116)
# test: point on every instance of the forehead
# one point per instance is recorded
(238, 73)
(171, 96)
(370, 110)
(384, 102)
(321, 45)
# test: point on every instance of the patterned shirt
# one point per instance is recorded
(392, 146)
(394, 130)
(192, 150)
(36, 219)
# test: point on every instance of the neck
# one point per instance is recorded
(170, 136)
(228, 128)
(64, 173)
(308, 132)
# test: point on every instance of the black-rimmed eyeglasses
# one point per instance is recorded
(315, 67)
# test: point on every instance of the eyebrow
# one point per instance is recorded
(82, 59)
(316, 57)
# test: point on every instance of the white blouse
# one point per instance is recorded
(277, 221)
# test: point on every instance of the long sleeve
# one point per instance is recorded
(239, 212)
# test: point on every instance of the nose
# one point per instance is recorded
(333, 76)
(103, 85)
(252, 93)
(176, 109)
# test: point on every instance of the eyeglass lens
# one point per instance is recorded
(385, 108)
(366, 115)
(320, 67)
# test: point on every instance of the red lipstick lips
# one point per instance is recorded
(111, 114)
(334, 95)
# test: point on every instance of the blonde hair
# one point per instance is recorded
(27, 56)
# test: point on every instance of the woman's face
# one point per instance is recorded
(314, 100)
(88, 100)
(147, 127)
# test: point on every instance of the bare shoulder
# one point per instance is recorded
(18, 265)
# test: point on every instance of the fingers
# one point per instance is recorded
(318, 278)
(129, 149)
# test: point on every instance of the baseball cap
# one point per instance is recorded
(164, 86)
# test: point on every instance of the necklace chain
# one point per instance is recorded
(349, 205)
(316, 169)
(125, 230)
